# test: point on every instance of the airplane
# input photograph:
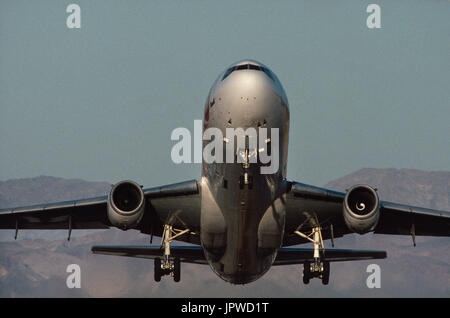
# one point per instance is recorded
(236, 219)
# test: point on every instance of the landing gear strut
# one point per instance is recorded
(168, 265)
(319, 268)
(246, 154)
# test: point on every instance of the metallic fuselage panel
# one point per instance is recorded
(242, 227)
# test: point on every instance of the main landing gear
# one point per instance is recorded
(319, 268)
(167, 268)
(168, 265)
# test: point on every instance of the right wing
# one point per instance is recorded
(82, 214)
(175, 204)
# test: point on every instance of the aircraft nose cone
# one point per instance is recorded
(251, 83)
(250, 97)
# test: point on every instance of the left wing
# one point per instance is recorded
(175, 204)
(309, 206)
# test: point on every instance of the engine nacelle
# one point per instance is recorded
(126, 205)
(361, 209)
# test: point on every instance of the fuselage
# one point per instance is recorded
(242, 209)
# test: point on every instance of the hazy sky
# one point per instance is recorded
(99, 103)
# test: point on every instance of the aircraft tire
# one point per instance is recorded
(326, 273)
(177, 270)
(157, 270)
(306, 272)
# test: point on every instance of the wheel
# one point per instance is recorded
(326, 273)
(176, 270)
(157, 269)
(306, 272)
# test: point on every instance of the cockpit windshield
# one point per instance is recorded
(248, 67)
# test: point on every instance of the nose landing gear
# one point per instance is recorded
(246, 179)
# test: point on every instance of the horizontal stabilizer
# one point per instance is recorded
(195, 255)
(186, 254)
(291, 255)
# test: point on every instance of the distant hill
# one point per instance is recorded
(37, 268)
(44, 189)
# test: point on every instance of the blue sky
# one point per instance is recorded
(99, 103)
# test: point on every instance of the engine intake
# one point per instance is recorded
(361, 209)
(126, 204)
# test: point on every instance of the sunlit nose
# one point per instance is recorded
(246, 95)
(249, 83)
(250, 95)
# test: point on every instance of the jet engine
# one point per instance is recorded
(125, 204)
(361, 209)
